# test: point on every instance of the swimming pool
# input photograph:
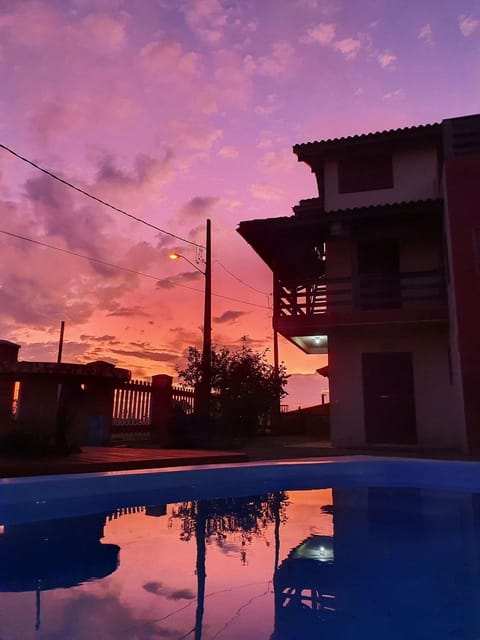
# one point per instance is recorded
(345, 548)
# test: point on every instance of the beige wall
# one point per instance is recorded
(439, 422)
(414, 178)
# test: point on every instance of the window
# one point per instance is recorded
(366, 172)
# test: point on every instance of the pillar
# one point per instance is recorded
(161, 408)
(98, 408)
(37, 405)
(8, 359)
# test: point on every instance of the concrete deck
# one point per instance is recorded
(148, 456)
(97, 459)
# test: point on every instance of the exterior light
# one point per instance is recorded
(174, 256)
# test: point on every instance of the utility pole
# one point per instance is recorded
(206, 380)
(60, 341)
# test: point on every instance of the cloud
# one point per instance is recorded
(104, 31)
(194, 137)
(386, 59)
(232, 81)
(146, 170)
(228, 151)
(390, 95)
(199, 207)
(169, 57)
(159, 589)
(268, 139)
(349, 47)
(229, 316)
(426, 34)
(274, 162)
(322, 33)
(467, 24)
(53, 117)
(103, 615)
(31, 23)
(154, 355)
(120, 311)
(206, 18)
(105, 338)
(266, 192)
(277, 62)
(179, 279)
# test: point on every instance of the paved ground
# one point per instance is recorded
(94, 459)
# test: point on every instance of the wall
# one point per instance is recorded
(437, 404)
(463, 235)
(414, 178)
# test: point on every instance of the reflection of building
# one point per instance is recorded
(404, 563)
(381, 271)
(55, 554)
(304, 590)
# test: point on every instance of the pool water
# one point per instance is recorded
(351, 560)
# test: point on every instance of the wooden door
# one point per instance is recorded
(389, 398)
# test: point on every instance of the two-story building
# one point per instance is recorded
(382, 272)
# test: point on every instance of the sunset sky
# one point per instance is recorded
(178, 111)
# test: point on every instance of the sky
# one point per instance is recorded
(181, 110)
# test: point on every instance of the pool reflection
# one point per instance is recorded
(342, 563)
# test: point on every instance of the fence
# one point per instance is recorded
(132, 409)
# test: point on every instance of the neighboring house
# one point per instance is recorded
(382, 272)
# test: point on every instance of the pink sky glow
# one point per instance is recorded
(178, 111)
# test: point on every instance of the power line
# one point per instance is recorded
(99, 200)
(265, 293)
(116, 266)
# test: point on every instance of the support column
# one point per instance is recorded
(8, 358)
(161, 408)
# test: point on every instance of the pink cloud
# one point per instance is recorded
(31, 24)
(426, 34)
(386, 59)
(105, 32)
(228, 151)
(280, 59)
(266, 192)
(349, 47)
(322, 33)
(468, 24)
(169, 57)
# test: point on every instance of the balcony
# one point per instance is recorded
(316, 305)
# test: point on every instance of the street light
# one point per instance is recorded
(202, 395)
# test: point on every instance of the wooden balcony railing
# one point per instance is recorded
(306, 298)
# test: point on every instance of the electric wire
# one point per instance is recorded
(125, 213)
(128, 270)
(96, 198)
(265, 293)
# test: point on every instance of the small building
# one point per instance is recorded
(382, 272)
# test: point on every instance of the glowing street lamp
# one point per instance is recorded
(202, 404)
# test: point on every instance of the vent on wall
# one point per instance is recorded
(462, 136)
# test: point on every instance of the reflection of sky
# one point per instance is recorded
(405, 564)
(153, 592)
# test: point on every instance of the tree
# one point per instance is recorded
(246, 388)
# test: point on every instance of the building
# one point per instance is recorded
(382, 272)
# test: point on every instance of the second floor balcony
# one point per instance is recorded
(324, 303)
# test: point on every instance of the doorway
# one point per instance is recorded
(389, 398)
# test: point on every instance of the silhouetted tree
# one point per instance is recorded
(245, 385)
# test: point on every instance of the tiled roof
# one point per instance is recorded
(404, 132)
(304, 206)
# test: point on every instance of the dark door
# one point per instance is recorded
(389, 398)
(379, 274)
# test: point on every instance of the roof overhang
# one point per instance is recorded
(290, 241)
